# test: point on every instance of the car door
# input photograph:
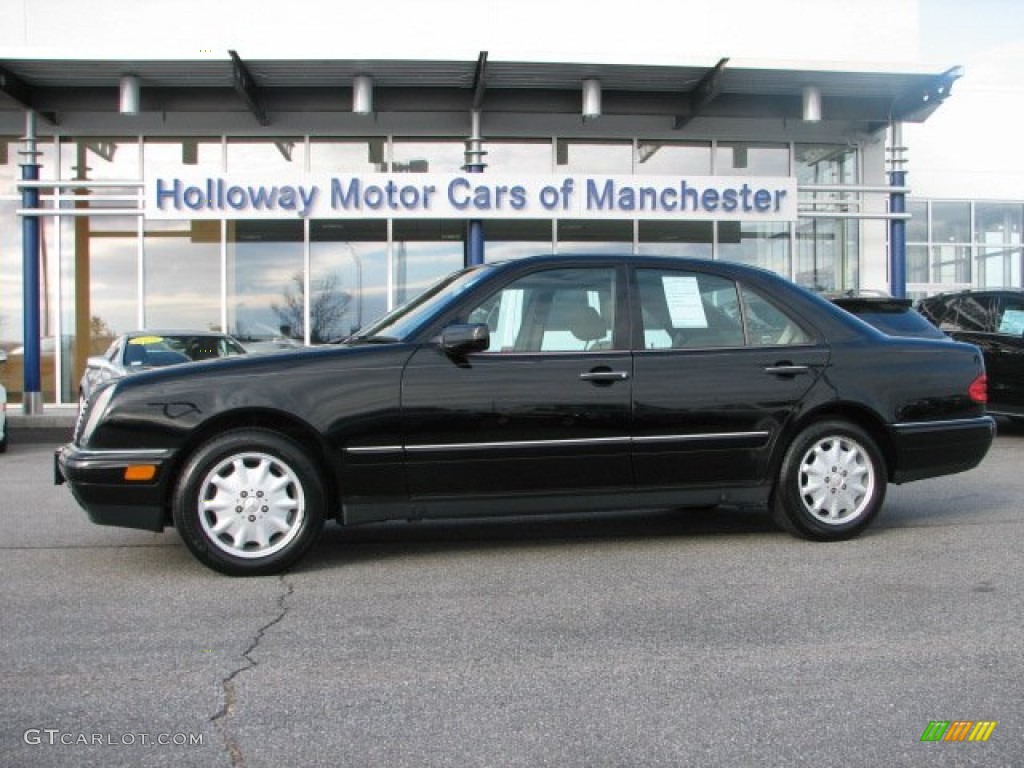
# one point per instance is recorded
(1004, 356)
(544, 410)
(718, 371)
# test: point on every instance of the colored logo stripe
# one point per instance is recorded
(958, 730)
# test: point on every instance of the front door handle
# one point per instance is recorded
(604, 376)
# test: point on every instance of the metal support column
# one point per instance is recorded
(898, 224)
(32, 391)
(475, 164)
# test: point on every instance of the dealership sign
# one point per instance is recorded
(472, 196)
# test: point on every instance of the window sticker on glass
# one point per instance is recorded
(1012, 322)
(682, 294)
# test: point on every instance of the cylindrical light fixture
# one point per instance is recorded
(362, 95)
(591, 99)
(131, 95)
(812, 104)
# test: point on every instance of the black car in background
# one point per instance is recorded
(994, 321)
(541, 385)
(890, 315)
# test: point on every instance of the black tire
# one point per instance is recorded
(264, 511)
(3, 443)
(832, 482)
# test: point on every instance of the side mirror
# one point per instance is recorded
(461, 340)
(98, 362)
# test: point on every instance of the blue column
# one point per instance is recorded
(897, 205)
(475, 164)
(898, 237)
(32, 398)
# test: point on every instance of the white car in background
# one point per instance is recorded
(3, 419)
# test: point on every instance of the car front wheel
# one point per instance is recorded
(249, 503)
(832, 482)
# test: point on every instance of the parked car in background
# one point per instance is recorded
(539, 385)
(141, 350)
(994, 321)
(890, 315)
(3, 419)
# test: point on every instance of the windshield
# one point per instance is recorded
(402, 322)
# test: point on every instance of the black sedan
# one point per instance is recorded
(549, 384)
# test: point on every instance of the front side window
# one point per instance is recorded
(558, 310)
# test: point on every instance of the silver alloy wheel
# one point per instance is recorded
(837, 480)
(251, 505)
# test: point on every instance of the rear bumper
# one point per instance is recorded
(97, 481)
(933, 448)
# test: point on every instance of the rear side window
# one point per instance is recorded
(1011, 317)
(688, 310)
(972, 314)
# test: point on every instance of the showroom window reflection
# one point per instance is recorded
(265, 280)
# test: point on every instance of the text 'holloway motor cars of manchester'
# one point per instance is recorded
(542, 385)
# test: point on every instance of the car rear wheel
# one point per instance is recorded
(249, 503)
(832, 482)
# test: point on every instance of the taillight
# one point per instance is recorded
(978, 391)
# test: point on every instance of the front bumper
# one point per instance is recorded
(934, 448)
(97, 481)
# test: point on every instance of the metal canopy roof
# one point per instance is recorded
(52, 86)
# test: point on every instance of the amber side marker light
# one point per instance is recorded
(140, 472)
(978, 391)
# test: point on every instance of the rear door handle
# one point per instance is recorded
(785, 369)
(602, 376)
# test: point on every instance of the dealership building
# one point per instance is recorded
(292, 199)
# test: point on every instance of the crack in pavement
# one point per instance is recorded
(220, 720)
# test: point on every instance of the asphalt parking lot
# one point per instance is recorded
(657, 639)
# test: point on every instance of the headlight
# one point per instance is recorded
(97, 408)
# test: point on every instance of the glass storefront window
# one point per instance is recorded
(693, 239)
(99, 269)
(997, 230)
(507, 156)
(825, 164)
(588, 236)
(827, 254)
(507, 239)
(181, 275)
(428, 156)
(759, 244)
(348, 276)
(425, 250)
(751, 158)
(264, 264)
(951, 264)
(579, 156)
(98, 157)
(169, 156)
(673, 157)
(917, 264)
(349, 155)
(917, 224)
(260, 156)
(951, 222)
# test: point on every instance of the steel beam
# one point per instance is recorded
(246, 87)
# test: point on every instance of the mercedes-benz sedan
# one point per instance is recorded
(543, 385)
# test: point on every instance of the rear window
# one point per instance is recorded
(905, 322)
